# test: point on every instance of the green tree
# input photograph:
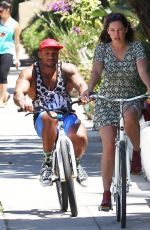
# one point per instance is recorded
(15, 13)
(142, 9)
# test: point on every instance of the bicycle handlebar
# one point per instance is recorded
(59, 112)
(95, 96)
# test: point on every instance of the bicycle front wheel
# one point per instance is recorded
(62, 195)
(61, 189)
(122, 153)
(64, 148)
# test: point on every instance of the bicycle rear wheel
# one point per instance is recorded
(122, 153)
(64, 148)
(117, 199)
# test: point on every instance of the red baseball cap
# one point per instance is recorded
(50, 43)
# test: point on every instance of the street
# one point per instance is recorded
(29, 206)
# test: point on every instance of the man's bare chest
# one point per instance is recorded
(50, 82)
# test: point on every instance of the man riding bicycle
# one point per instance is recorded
(48, 83)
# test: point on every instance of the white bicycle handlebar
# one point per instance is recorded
(96, 96)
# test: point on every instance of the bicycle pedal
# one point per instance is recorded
(74, 177)
(55, 178)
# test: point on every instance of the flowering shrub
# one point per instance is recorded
(76, 29)
(57, 6)
(77, 26)
(73, 23)
(75, 13)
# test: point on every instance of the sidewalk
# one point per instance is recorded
(23, 56)
(15, 128)
(17, 139)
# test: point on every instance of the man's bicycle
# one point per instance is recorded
(121, 180)
(64, 169)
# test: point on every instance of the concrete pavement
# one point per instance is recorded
(27, 205)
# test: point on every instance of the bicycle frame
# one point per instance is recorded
(64, 168)
(121, 179)
(63, 161)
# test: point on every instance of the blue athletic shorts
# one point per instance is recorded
(69, 120)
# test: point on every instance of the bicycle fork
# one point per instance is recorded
(121, 136)
(60, 160)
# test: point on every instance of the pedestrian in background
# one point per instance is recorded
(9, 47)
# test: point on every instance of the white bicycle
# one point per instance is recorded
(121, 180)
(64, 169)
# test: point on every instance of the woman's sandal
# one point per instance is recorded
(106, 204)
(2, 105)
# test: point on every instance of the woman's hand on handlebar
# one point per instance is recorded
(85, 97)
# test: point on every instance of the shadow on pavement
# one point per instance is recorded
(134, 219)
(18, 155)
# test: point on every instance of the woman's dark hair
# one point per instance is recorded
(6, 4)
(105, 38)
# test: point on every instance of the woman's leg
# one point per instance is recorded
(3, 94)
(108, 135)
(132, 128)
(6, 61)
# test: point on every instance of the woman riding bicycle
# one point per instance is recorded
(120, 59)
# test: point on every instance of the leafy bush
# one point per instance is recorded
(33, 34)
(77, 25)
(73, 24)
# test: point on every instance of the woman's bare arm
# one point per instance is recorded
(97, 69)
(17, 44)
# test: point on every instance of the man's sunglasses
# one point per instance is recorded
(1, 11)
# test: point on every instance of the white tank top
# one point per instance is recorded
(55, 99)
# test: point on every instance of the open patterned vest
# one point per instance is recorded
(57, 98)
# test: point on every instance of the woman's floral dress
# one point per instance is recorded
(119, 81)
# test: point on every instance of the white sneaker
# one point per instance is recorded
(82, 177)
(46, 174)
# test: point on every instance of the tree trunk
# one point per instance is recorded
(142, 9)
(104, 3)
